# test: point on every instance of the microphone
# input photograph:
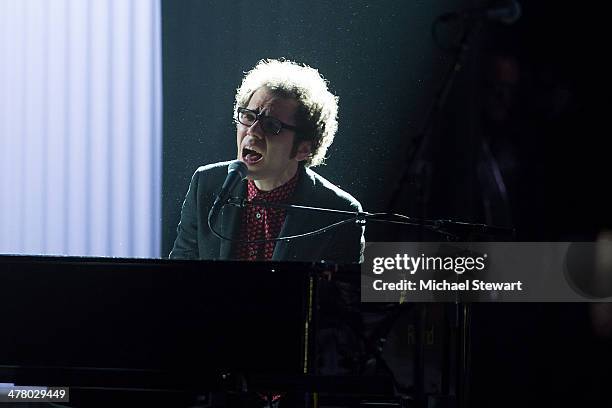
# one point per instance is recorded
(236, 172)
(507, 13)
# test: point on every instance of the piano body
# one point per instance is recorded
(141, 328)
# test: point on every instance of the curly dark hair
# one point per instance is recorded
(317, 112)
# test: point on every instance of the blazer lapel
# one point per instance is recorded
(296, 222)
(230, 220)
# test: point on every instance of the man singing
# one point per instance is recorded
(286, 118)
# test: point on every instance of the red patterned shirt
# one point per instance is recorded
(263, 223)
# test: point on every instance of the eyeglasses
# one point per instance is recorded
(269, 124)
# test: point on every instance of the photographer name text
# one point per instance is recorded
(444, 285)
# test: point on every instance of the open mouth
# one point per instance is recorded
(251, 156)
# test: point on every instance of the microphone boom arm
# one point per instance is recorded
(445, 227)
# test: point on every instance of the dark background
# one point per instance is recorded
(381, 60)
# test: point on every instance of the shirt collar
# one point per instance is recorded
(280, 193)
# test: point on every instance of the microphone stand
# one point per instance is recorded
(445, 227)
(419, 142)
(416, 173)
(243, 202)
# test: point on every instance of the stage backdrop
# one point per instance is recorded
(80, 127)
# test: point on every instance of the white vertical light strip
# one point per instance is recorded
(142, 93)
(100, 127)
(14, 21)
(156, 134)
(80, 127)
(33, 119)
(56, 124)
(4, 126)
(120, 128)
(77, 127)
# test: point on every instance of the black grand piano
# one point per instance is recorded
(160, 332)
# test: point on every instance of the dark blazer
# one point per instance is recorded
(340, 245)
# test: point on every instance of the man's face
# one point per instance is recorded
(268, 156)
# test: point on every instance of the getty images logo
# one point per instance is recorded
(458, 264)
